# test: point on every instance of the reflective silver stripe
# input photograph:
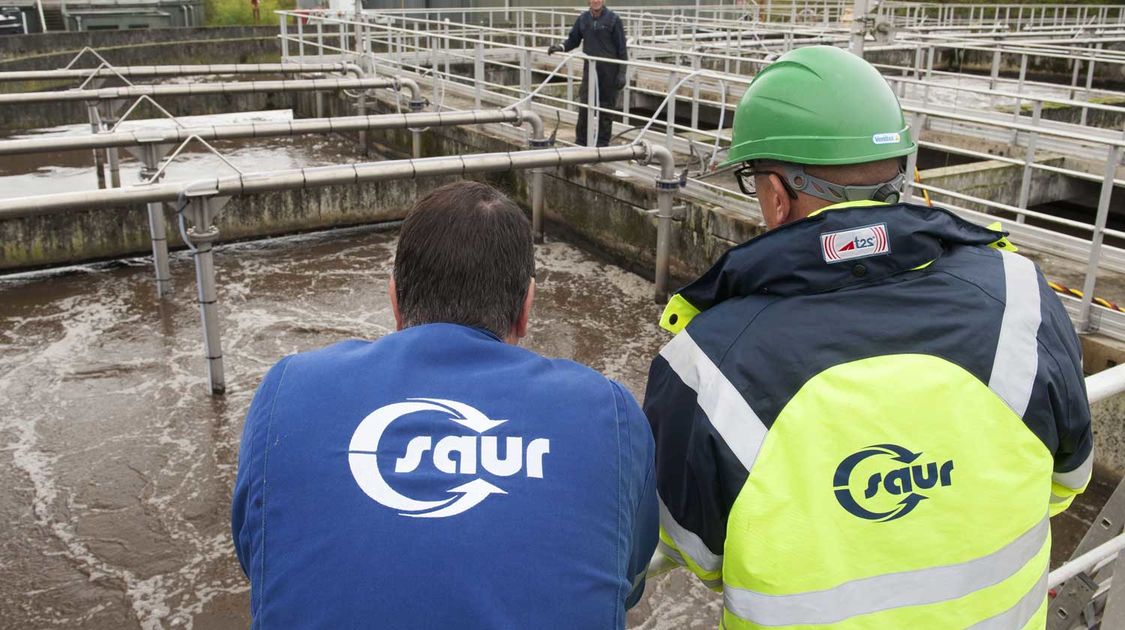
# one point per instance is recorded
(638, 579)
(892, 590)
(1058, 499)
(1019, 615)
(713, 584)
(688, 542)
(1017, 351)
(730, 414)
(671, 553)
(1078, 477)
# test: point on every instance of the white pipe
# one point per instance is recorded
(1106, 383)
(175, 71)
(234, 87)
(1086, 561)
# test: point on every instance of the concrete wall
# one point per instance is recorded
(1109, 434)
(46, 43)
(1000, 182)
(115, 232)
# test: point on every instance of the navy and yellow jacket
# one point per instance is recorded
(864, 421)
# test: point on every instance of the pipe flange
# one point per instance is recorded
(417, 105)
(667, 184)
(210, 234)
(540, 143)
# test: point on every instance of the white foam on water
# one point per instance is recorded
(273, 301)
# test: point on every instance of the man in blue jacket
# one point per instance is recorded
(442, 477)
(601, 34)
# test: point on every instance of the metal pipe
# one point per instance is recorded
(111, 155)
(152, 72)
(95, 128)
(537, 141)
(205, 195)
(1084, 323)
(234, 87)
(305, 178)
(1086, 561)
(1105, 384)
(158, 231)
(666, 186)
(203, 235)
(177, 135)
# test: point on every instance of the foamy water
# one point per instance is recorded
(116, 465)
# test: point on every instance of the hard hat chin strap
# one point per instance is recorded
(795, 176)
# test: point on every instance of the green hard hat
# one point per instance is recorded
(819, 105)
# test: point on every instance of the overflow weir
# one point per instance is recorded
(121, 413)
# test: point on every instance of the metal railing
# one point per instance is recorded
(203, 199)
(480, 64)
(1089, 589)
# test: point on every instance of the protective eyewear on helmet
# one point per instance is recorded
(748, 185)
(794, 178)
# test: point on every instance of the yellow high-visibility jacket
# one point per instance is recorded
(864, 421)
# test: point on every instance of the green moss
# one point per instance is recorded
(235, 12)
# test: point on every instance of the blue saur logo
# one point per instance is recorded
(904, 479)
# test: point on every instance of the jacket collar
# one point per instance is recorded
(811, 255)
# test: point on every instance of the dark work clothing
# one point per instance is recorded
(607, 97)
(602, 36)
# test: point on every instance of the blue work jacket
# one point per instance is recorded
(441, 478)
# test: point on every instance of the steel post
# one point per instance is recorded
(478, 73)
(158, 230)
(96, 127)
(361, 110)
(666, 186)
(916, 122)
(283, 26)
(664, 191)
(112, 157)
(858, 28)
(1085, 323)
(416, 133)
(1029, 160)
(695, 64)
(1019, 100)
(537, 231)
(670, 111)
(591, 81)
(203, 235)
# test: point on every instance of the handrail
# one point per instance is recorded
(175, 71)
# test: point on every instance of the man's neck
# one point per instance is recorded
(597, 13)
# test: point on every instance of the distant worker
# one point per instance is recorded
(442, 476)
(601, 34)
(869, 411)
(255, 10)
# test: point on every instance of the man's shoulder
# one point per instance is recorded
(332, 355)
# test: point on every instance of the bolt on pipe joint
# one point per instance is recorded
(208, 235)
(417, 105)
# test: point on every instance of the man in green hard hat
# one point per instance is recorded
(867, 413)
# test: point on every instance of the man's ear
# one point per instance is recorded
(519, 330)
(393, 294)
(782, 203)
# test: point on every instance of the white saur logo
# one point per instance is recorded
(363, 455)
